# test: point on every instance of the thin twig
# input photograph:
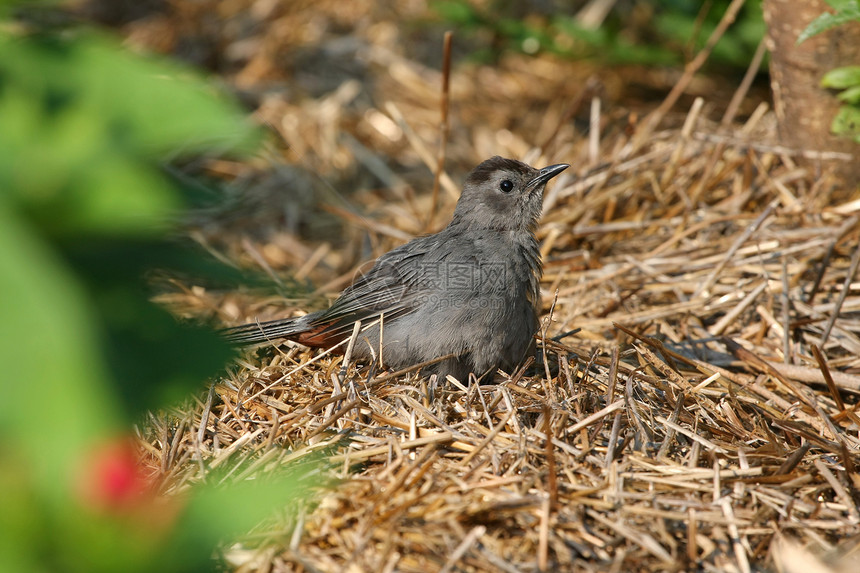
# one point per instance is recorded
(443, 126)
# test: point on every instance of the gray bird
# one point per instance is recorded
(470, 290)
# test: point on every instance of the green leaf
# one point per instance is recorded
(847, 122)
(164, 107)
(82, 138)
(145, 103)
(841, 78)
(50, 356)
(218, 512)
(849, 12)
(841, 5)
(851, 95)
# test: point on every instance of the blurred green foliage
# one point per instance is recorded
(846, 79)
(644, 32)
(85, 212)
(844, 11)
(86, 125)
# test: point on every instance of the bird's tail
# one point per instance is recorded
(260, 332)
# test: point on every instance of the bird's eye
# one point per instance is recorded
(506, 186)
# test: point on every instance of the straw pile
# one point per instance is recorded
(703, 417)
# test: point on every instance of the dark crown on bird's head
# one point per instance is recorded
(498, 195)
(483, 172)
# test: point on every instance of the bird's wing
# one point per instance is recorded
(393, 287)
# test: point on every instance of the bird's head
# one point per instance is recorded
(504, 194)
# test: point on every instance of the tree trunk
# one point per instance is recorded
(804, 110)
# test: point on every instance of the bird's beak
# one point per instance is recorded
(546, 174)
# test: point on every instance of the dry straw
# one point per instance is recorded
(703, 418)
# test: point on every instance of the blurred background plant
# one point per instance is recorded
(845, 79)
(610, 31)
(653, 34)
(86, 209)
